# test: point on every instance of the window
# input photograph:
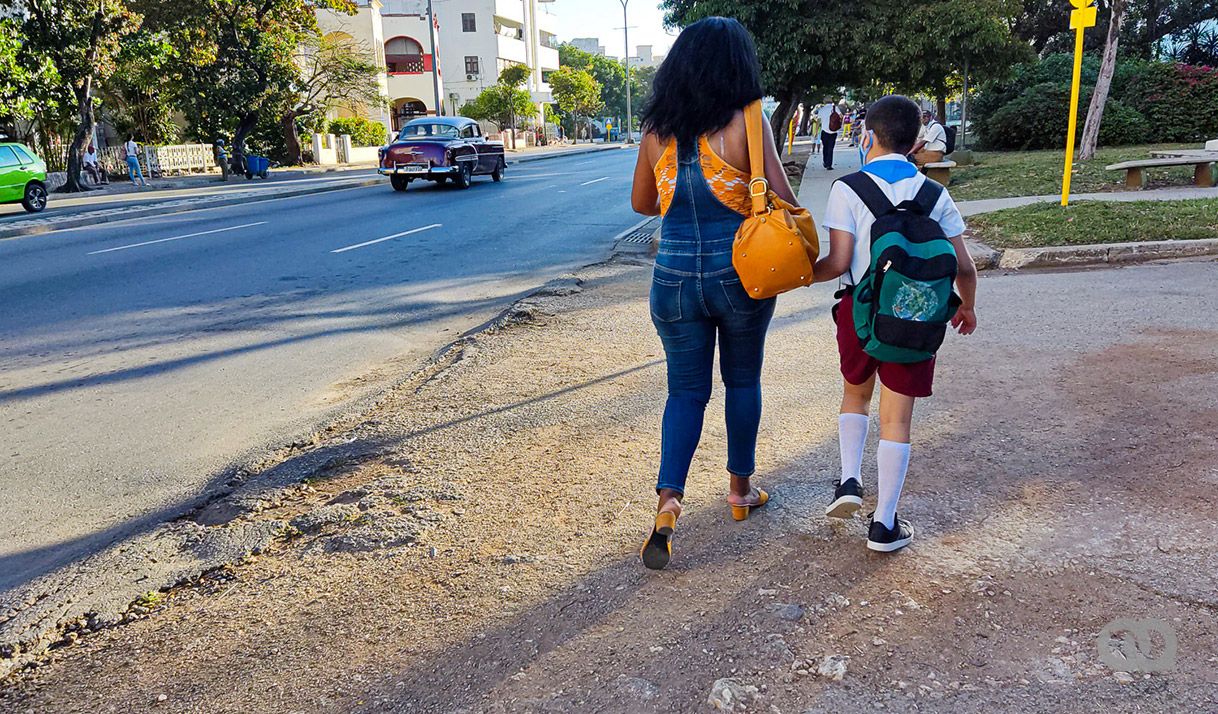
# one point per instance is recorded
(470, 131)
(468, 24)
(7, 157)
(25, 156)
(471, 65)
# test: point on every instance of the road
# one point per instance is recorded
(144, 357)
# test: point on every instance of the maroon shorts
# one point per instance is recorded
(912, 380)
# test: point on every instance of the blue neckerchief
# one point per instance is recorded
(891, 170)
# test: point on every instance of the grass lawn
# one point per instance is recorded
(1001, 174)
(1089, 222)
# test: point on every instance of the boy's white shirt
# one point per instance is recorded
(132, 148)
(847, 212)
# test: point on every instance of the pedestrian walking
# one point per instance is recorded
(932, 141)
(816, 132)
(924, 255)
(690, 171)
(132, 151)
(830, 125)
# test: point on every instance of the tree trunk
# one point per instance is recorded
(291, 138)
(1095, 112)
(805, 123)
(84, 131)
(941, 109)
(244, 127)
(781, 118)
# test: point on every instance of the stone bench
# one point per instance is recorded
(940, 171)
(1135, 171)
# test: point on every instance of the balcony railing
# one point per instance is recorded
(407, 64)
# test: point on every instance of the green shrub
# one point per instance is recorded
(1149, 102)
(364, 132)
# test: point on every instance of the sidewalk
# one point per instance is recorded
(470, 545)
(972, 208)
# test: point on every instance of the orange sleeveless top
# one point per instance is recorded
(728, 184)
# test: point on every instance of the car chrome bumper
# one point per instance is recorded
(404, 171)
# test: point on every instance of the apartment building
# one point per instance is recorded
(474, 40)
(478, 38)
(591, 45)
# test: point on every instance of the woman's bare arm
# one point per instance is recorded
(775, 174)
(644, 197)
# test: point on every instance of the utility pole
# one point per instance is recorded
(435, 59)
(626, 61)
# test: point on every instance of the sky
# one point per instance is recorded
(599, 18)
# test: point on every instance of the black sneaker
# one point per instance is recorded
(847, 498)
(886, 540)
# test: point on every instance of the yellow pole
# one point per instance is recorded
(791, 136)
(1082, 17)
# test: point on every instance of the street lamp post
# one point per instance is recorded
(626, 61)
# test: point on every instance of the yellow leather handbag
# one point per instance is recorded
(776, 246)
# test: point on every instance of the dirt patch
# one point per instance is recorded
(524, 471)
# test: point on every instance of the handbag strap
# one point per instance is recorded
(759, 188)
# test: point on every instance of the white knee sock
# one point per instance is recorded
(851, 438)
(892, 458)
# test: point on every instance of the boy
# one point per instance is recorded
(892, 130)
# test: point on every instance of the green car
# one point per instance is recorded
(23, 177)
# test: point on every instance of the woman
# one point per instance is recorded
(692, 170)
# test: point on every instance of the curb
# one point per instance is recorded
(1075, 256)
(560, 154)
(91, 218)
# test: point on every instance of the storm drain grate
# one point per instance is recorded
(642, 236)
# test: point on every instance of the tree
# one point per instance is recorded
(334, 73)
(237, 59)
(80, 39)
(1095, 112)
(577, 93)
(503, 102)
(800, 43)
(133, 97)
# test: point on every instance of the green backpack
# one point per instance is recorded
(905, 300)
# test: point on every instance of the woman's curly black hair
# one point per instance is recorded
(711, 73)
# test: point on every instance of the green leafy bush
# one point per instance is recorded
(363, 131)
(1149, 102)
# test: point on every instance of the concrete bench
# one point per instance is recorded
(940, 171)
(1135, 171)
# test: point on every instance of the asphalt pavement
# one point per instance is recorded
(145, 357)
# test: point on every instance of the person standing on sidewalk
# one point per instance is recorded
(830, 124)
(132, 150)
(693, 170)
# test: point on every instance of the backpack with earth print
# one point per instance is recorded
(905, 299)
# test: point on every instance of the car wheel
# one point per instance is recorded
(399, 182)
(497, 174)
(35, 198)
(465, 176)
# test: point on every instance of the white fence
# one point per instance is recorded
(173, 159)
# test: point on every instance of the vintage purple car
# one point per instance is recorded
(439, 149)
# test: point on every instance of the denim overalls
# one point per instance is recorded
(696, 296)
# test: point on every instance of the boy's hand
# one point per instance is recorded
(965, 321)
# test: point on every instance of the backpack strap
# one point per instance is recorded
(927, 197)
(870, 194)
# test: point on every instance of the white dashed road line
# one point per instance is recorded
(602, 178)
(382, 240)
(188, 235)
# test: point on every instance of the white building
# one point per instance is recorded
(591, 45)
(646, 57)
(476, 39)
(479, 38)
(396, 35)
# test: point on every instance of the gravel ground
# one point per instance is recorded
(474, 547)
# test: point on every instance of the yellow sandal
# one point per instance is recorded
(657, 549)
(741, 512)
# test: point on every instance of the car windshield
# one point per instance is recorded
(428, 130)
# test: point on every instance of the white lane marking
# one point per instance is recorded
(188, 235)
(382, 240)
(602, 178)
